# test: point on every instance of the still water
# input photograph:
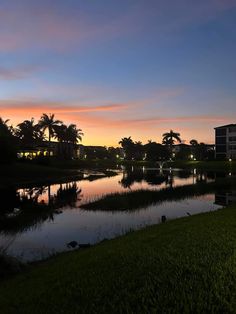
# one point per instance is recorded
(36, 222)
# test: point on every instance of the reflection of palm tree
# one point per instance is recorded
(48, 122)
(68, 195)
(170, 180)
(169, 139)
(49, 194)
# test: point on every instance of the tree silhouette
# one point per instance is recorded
(68, 137)
(48, 122)
(170, 138)
(193, 142)
(8, 143)
(128, 145)
(29, 133)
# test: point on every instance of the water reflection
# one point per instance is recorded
(225, 198)
(37, 221)
(30, 207)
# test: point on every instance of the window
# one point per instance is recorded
(220, 140)
(220, 132)
(232, 138)
(232, 129)
(221, 149)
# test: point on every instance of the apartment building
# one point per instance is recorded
(225, 141)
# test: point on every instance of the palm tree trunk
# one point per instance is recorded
(49, 140)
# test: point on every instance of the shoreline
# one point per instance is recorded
(152, 268)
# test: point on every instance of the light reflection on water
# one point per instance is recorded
(33, 237)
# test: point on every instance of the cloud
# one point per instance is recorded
(18, 72)
(51, 26)
(38, 107)
(102, 128)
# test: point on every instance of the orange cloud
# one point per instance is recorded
(106, 124)
(37, 107)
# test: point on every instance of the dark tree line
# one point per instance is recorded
(153, 151)
(28, 134)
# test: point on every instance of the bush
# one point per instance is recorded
(8, 149)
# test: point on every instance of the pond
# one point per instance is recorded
(36, 222)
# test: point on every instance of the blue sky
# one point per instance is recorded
(120, 68)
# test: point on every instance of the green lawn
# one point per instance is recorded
(183, 266)
(205, 165)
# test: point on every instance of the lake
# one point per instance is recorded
(36, 222)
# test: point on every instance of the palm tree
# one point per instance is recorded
(193, 142)
(5, 130)
(68, 135)
(29, 133)
(48, 122)
(74, 135)
(128, 146)
(170, 138)
(8, 143)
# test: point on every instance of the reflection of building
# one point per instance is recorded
(225, 198)
(225, 137)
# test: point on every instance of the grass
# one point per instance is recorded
(133, 200)
(183, 266)
(205, 165)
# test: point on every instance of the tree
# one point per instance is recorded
(8, 143)
(193, 142)
(156, 152)
(48, 122)
(74, 135)
(170, 138)
(128, 145)
(5, 130)
(138, 151)
(68, 137)
(194, 148)
(29, 133)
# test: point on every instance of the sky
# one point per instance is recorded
(120, 68)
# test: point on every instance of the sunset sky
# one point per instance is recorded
(120, 68)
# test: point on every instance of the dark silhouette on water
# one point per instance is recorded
(163, 218)
(72, 244)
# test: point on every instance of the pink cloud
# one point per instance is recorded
(18, 73)
(47, 27)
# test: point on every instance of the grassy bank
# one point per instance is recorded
(205, 165)
(184, 266)
(182, 164)
(20, 174)
(25, 174)
(132, 200)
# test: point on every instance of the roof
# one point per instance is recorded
(226, 126)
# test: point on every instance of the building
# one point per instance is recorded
(225, 140)
(56, 149)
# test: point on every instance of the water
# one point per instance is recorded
(37, 222)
